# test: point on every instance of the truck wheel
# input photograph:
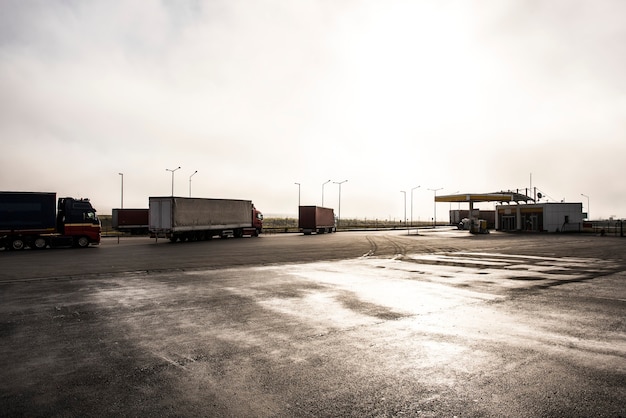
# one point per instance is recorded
(82, 242)
(40, 243)
(18, 244)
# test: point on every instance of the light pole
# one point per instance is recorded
(435, 215)
(189, 183)
(339, 212)
(172, 170)
(588, 211)
(416, 187)
(122, 199)
(407, 227)
(323, 191)
(298, 194)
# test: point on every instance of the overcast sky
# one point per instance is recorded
(467, 96)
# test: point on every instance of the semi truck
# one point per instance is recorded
(133, 221)
(38, 220)
(316, 219)
(194, 219)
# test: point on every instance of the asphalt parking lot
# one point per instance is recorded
(348, 324)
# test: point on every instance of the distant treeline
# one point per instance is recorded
(277, 225)
(291, 224)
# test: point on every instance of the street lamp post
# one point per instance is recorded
(189, 183)
(172, 171)
(339, 211)
(435, 211)
(298, 194)
(323, 191)
(122, 198)
(407, 227)
(588, 211)
(416, 187)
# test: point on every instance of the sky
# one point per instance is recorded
(256, 96)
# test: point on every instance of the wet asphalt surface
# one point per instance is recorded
(349, 324)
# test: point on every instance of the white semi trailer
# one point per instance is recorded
(194, 219)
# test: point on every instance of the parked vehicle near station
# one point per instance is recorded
(193, 219)
(37, 220)
(465, 224)
(316, 219)
(132, 221)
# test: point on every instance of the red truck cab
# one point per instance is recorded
(257, 220)
(77, 218)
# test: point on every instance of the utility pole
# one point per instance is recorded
(588, 211)
(323, 191)
(405, 224)
(189, 183)
(416, 187)
(339, 213)
(122, 198)
(172, 170)
(298, 193)
(435, 215)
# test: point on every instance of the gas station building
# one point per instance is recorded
(518, 212)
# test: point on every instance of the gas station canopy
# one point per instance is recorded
(485, 197)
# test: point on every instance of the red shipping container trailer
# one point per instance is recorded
(316, 219)
(134, 221)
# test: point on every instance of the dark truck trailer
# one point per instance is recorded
(316, 219)
(133, 221)
(38, 220)
(196, 219)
